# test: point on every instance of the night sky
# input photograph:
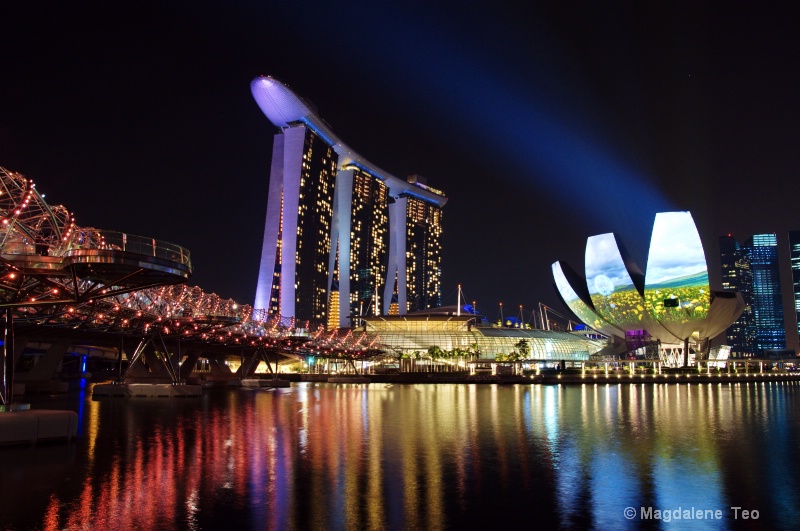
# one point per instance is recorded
(543, 126)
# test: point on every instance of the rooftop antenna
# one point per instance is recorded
(458, 303)
(501, 315)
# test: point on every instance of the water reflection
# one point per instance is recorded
(414, 456)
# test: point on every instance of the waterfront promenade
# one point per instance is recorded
(550, 378)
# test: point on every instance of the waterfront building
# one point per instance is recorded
(738, 277)
(362, 258)
(418, 332)
(665, 308)
(297, 233)
(794, 250)
(753, 270)
(333, 215)
(422, 249)
(767, 297)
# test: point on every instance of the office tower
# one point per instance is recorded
(761, 327)
(736, 276)
(767, 299)
(334, 218)
(794, 250)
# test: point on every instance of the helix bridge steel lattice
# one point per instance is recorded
(55, 274)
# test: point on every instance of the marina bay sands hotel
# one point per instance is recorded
(342, 237)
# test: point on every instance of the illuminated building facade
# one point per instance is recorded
(333, 314)
(297, 234)
(757, 274)
(737, 277)
(670, 303)
(794, 250)
(423, 253)
(417, 333)
(333, 215)
(362, 204)
(767, 299)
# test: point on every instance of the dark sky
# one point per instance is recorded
(544, 126)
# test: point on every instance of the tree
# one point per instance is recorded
(435, 352)
(524, 348)
(474, 350)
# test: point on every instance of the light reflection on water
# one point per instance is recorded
(436, 456)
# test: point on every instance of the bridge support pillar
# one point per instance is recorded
(7, 358)
(49, 364)
(189, 364)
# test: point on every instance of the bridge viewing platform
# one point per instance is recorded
(66, 289)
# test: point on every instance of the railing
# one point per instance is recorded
(119, 241)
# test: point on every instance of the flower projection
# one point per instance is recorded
(673, 301)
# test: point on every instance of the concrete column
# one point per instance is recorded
(48, 364)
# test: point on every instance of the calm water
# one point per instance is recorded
(446, 456)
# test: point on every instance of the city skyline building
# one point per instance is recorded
(767, 296)
(753, 269)
(737, 277)
(794, 256)
(360, 260)
(336, 222)
(421, 246)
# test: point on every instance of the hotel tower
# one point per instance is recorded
(341, 235)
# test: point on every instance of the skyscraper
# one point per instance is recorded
(297, 234)
(794, 250)
(736, 276)
(757, 277)
(767, 299)
(362, 204)
(422, 251)
(335, 219)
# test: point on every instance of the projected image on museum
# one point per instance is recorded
(671, 303)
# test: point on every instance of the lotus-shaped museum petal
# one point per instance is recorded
(673, 301)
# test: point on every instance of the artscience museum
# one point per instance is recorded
(670, 308)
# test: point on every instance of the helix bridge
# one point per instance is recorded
(96, 286)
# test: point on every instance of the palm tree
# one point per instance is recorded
(474, 350)
(524, 348)
(458, 353)
(436, 353)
